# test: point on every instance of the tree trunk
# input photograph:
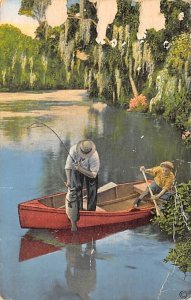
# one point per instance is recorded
(133, 86)
(132, 82)
(82, 6)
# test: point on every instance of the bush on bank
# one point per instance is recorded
(176, 223)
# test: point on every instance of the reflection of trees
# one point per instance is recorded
(119, 144)
(81, 269)
(132, 140)
(54, 173)
(15, 127)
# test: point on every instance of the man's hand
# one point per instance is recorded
(76, 166)
(82, 170)
(142, 169)
(68, 184)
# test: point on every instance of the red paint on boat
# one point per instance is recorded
(34, 214)
(37, 243)
(31, 248)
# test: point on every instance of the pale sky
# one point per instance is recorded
(9, 14)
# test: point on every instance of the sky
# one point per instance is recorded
(9, 14)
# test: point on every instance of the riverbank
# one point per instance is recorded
(54, 95)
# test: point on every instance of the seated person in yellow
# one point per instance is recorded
(162, 184)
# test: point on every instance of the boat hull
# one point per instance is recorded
(48, 218)
(115, 207)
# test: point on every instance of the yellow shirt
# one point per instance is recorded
(161, 180)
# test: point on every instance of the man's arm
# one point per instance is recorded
(156, 197)
(151, 171)
(142, 169)
(80, 169)
(68, 177)
(69, 165)
(94, 165)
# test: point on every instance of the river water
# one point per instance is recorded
(120, 264)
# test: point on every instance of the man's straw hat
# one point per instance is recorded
(85, 148)
(167, 164)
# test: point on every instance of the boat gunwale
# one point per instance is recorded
(64, 193)
(42, 208)
(47, 209)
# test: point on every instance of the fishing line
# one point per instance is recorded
(40, 124)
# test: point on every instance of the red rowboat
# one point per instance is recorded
(114, 206)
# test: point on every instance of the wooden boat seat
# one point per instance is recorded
(141, 187)
(98, 208)
(106, 187)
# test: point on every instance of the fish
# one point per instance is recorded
(72, 208)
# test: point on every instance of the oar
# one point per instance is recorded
(158, 212)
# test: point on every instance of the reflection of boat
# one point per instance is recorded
(114, 207)
(40, 242)
(31, 247)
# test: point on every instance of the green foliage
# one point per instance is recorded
(173, 28)
(34, 8)
(72, 29)
(111, 58)
(26, 8)
(181, 256)
(175, 104)
(73, 9)
(90, 11)
(28, 64)
(76, 78)
(173, 221)
(49, 40)
(128, 14)
(93, 89)
(176, 222)
(177, 109)
(171, 10)
(179, 53)
(156, 39)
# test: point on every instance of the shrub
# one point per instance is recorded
(181, 256)
(138, 103)
(176, 217)
(176, 222)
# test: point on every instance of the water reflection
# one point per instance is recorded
(80, 265)
(124, 141)
(81, 269)
(32, 164)
(37, 242)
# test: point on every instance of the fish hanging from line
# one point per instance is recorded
(72, 210)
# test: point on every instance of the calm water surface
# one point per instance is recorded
(121, 265)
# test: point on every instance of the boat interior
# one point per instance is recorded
(111, 197)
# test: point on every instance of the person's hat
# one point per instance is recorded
(85, 148)
(167, 164)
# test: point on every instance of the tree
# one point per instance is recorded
(35, 9)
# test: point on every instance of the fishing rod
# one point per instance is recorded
(40, 124)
